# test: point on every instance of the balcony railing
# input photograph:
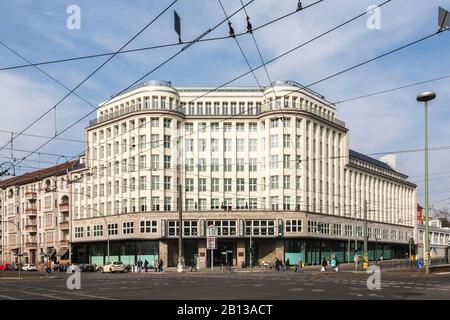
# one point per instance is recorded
(30, 195)
(31, 212)
(64, 207)
(31, 228)
(32, 244)
(64, 243)
(64, 225)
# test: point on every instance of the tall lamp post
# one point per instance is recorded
(425, 97)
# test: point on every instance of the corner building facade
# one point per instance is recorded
(271, 168)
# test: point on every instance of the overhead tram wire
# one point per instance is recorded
(183, 43)
(137, 81)
(92, 73)
(391, 90)
(278, 57)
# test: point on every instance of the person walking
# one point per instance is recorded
(139, 265)
(161, 265)
(193, 266)
(334, 264)
(299, 266)
(288, 264)
(324, 265)
(145, 265)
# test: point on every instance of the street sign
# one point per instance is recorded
(211, 243)
(211, 231)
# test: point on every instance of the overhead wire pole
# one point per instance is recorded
(93, 72)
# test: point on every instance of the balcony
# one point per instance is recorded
(64, 243)
(31, 228)
(30, 196)
(31, 212)
(64, 225)
(32, 244)
(64, 207)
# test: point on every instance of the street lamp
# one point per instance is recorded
(425, 97)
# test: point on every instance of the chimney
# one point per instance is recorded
(390, 160)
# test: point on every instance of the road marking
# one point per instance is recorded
(9, 298)
(356, 294)
(296, 289)
(318, 290)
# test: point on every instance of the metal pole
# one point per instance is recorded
(427, 242)
(180, 230)
(356, 242)
(251, 247)
(366, 259)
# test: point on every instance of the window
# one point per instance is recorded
(312, 226)
(286, 140)
(155, 122)
(337, 229)
(167, 141)
(167, 160)
(167, 182)
(215, 184)
(79, 232)
(293, 226)
(167, 202)
(274, 203)
(189, 145)
(227, 164)
(98, 231)
(286, 161)
(227, 184)
(227, 145)
(202, 144)
(240, 184)
(155, 161)
(252, 145)
(227, 127)
(201, 165)
(286, 203)
(253, 203)
(224, 227)
(273, 141)
(274, 182)
(128, 227)
(215, 204)
(253, 184)
(274, 162)
(189, 165)
(167, 123)
(252, 167)
(214, 145)
(240, 127)
(189, 184)
(155, 182)
(239, 145)
(214, 165)
(190, 228)
(252, 127)
(189, 127)
(112, 229)
(240, 164)
(148, 226)
(286, 182)
(202, 184)
(260, 227)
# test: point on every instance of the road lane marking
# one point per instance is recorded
(9, 298)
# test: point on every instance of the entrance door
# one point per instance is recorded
(226, 251)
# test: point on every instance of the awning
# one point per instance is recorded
(62, 252)
(50, 253)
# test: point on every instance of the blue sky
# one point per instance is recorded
(393, 121)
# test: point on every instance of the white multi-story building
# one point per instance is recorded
(34, 215)
(272, 165)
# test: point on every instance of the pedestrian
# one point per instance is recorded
(334, 264)
(381, 257)
(229, 265)
(277, 264)
(324, 265)
(146, 265)
(288, 264)
(299, 266)
(193, 266)
(161, 265)
(139, 265)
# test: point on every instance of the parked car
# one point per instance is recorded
(3, 267)
(13, 267)
(116, 266)
(29, 267)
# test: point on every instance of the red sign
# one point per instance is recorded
(419, 215)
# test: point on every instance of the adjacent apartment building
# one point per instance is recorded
(270, 168)
(34, 214)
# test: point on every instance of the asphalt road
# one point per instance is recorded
(230, 286)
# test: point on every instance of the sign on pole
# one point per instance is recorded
(444, 18)
(211, 243)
